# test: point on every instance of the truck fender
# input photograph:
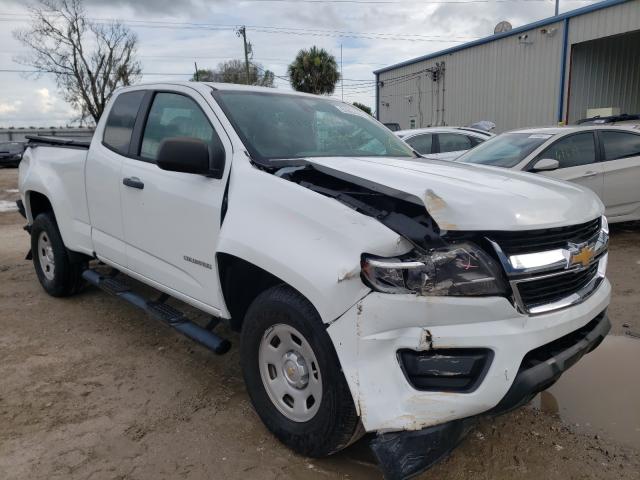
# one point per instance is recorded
(309, 241)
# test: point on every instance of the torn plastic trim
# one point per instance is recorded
(405, 454)
(401, 212)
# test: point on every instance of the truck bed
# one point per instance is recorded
(35, 140)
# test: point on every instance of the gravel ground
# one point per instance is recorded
(91, 388)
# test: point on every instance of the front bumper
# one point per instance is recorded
(404, 454)
(368, 337)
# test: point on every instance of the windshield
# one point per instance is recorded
(280, 126)
(506, 150)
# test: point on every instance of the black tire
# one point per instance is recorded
(67, 276)
(335, 425)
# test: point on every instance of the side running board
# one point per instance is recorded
(160, 310)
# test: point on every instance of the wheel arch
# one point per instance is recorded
(241, 282)
(37, 203)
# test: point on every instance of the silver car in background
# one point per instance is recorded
(604, 158)
(443, 143)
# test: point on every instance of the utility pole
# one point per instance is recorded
(341, 74)
(557, 7)
(242, 32)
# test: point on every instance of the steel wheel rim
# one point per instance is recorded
(290, 372)
(45, 256)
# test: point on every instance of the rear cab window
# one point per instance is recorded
(121, 119)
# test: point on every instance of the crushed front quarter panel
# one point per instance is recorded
(311, 242)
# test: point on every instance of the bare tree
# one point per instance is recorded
(89, 59)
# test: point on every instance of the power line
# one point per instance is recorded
(363, 36)
(281, 77)
(168, 24)
(189, 58)
(413, 37)
(7, 70)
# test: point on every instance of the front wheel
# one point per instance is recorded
(56, 273)
(293, 375)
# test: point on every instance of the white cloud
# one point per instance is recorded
(46, 102)
(9, 107)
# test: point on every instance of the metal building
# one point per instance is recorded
(543, 73)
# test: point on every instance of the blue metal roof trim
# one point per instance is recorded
(540, 23)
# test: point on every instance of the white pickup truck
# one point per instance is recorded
(374, 291)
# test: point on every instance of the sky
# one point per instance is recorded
(173, 34)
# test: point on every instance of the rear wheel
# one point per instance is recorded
(293, 375)
(56, 273)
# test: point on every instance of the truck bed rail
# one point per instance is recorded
(36, 140)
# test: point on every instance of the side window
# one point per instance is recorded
(117, 131)
(174, 115)
(620, 145)
(475, 141)
(573, 150)
(453, 142)
(421, 143)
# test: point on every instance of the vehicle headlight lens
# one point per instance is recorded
(604, 225)
(458, 269)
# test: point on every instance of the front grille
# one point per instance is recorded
(513, 243)
(550, 289)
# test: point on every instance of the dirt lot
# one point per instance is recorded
(91, 388)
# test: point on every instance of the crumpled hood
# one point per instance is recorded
(470, 197)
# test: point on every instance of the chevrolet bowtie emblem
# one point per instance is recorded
(583, 256)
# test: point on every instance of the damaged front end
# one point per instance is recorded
(392, 208)
(456, 269)
(438, 340)
(438, 265)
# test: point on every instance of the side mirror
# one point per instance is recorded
(545, 165)
(190, 155)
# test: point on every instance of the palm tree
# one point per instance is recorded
(314, 71)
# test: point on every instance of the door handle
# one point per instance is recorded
(590, 173)
(133, 182)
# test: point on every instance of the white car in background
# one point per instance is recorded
(605, 159)
(443, 143)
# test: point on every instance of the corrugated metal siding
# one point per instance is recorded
(617, 19)
(517, 85)
(605, 73)
(506, 81)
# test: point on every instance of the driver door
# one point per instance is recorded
(171, 220)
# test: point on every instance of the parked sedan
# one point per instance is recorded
(605, 159)
(11, 153)
(443, 143)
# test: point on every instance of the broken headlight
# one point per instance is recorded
(457, 269)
